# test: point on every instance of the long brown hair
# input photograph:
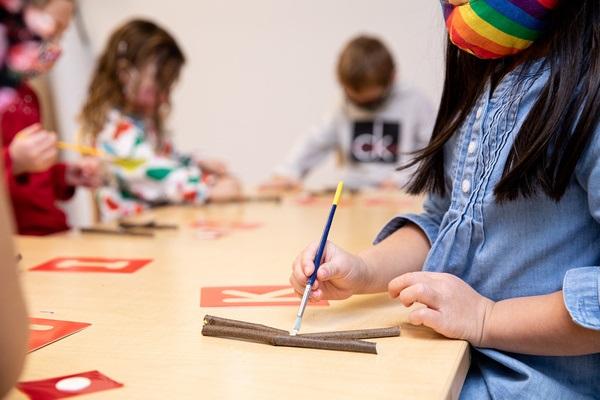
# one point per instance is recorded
(134, 44)
(560, 123)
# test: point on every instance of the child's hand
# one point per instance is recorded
(85, 172)
(33, 150)
(280, 183)
(453, 308)
(224, 189)
(340, 276)
(215, 167)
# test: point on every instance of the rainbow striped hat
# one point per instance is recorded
(493, 29)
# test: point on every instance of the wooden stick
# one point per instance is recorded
(146, 225)
(356, 334)
(275, 339)
(118, 232)
(353, 334)
(249, 199)
(218, 321)
(356, 346)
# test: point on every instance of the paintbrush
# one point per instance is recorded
(124, 162)
(317, 261)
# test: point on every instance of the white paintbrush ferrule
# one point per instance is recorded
(301, 309)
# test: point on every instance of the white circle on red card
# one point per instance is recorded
(74, 384)
(40, 327)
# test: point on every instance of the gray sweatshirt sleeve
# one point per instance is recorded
(311, 149)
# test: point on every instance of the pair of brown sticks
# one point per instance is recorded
(340, 340)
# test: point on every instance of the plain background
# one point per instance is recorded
(259, 74)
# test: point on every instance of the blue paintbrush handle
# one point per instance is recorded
(321, 250)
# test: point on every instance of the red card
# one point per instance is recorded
(67, 386)
(92, 264)
(43, 331)
(251, 296)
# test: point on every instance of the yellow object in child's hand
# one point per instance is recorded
(126, 163)
(83, 150)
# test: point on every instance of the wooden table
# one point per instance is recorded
(146, 326)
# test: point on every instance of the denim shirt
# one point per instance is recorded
(526, 247)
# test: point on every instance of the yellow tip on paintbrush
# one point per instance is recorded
(338, 193)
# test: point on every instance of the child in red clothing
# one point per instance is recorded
(35, 181)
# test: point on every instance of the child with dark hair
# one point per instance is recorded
(374, 128)
(505, 254)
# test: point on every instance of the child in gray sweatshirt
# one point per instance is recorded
(373, 128)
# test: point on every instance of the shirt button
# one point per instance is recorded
(472, 147)
(466, 185)
(479, 112)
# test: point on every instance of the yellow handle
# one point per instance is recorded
(84, 150)
(338, 193)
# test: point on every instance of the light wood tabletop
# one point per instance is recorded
(145, 326)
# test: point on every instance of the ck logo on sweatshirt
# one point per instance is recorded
(375, 142)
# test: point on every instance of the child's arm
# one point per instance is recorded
(402, 247)
(342, 274)
(13, 319)
(542, 324)
(539, 325)
(311, 150)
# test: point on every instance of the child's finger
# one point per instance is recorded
(316, 296)
(426, 316)
(46, 144)
(400, 283)
(329, 271)
(44, 140)
(47, 152)
(298, 278)
(421, 293)
(308, 256)
(29, 130)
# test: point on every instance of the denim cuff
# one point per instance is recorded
(430, 228)
(581, 293)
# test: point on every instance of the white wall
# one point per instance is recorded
(260, 72)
